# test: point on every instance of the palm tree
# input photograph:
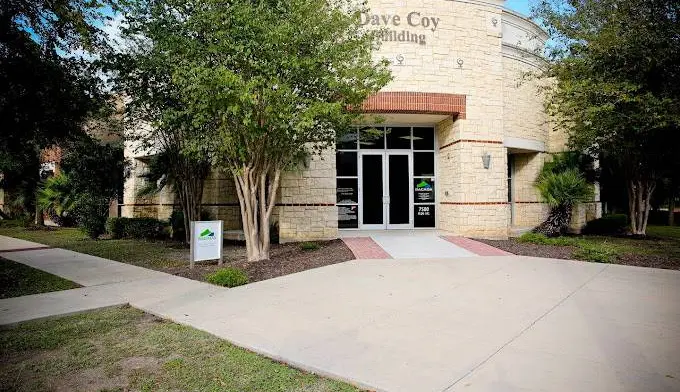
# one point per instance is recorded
(184, 175)
(562, 185)
(57, 197)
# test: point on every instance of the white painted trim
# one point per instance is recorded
(522, 55)
(523, 144)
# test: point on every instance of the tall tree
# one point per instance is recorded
(44, 95)
(616, 67)
(156, 118)
(266, 83)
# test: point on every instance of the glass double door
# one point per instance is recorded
(385, 190)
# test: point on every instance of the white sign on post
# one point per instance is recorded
(206, 241)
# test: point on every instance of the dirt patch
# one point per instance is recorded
(566, 252)
(89, 380)
(285, 259)
(131, 364)
(526, 249)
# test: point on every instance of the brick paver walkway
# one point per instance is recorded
(476, 247)
(365, 248)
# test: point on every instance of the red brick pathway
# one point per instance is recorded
(365, 248)
(476, 247)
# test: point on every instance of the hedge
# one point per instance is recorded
(146, 228)
(608, 224)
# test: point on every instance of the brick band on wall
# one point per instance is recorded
(474, 203)
(227, 205)
(470, 141)
(416, 103)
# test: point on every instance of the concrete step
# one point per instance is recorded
(517, 231)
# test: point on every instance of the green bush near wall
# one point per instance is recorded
(139, 228)
(608, 224)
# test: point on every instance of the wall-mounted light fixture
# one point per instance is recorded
(400, 59)
(460, 63)
(494, 21)
(486, 160)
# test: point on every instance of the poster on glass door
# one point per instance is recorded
(423, 190)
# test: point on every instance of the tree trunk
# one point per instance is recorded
(639, 200)
(190, 194)
(557, 222)
(256, 188)
(39, 218)
(671, 207)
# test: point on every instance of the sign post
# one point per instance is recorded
(206, 241)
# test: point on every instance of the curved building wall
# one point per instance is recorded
(460, 67)
(483, 52)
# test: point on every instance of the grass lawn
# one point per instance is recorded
(17, 279)
(660, 249)
(150, 254)
(173, 257)
(124, 349)
(662, 241)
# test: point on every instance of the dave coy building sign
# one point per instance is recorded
(413, 19)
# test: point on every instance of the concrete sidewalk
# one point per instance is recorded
(467, 324)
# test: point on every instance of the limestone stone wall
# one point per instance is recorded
(472, 199)
(523, 114)
(219, 198)
(307, 210)
(465, 32)
(527, 209)
(477, 221)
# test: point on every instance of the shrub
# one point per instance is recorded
(533, 238)
(228, 277)
(274, 233)
(147, 228)
(176, 221)
(599, 253)
(562, 184)
(91, 212)
(309, 246)
(542, 239)
(608, 224)
(13, 223)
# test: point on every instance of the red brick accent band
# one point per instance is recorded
(470, 141)
(228, 205)
(416, 103)
(175, 204)
(476, 247)
(542, 202)
(474, 203)
(305, 204)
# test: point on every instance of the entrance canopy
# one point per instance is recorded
(404, 102)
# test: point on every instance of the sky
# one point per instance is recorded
(521, 6)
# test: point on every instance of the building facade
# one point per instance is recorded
(461, 135)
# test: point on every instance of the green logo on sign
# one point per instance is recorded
(206, 233)
(423, 185)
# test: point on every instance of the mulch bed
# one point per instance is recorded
(284, 259)
(565, 252)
